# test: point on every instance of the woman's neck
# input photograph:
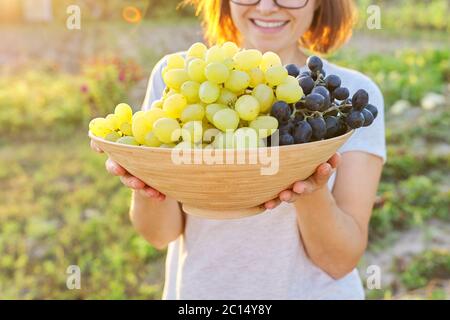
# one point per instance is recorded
(293, 55)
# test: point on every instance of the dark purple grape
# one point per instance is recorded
(314, 64)
(341, 93)
(292, 70)
(343, 128)
(324, 93)
(368, 117)
(373, 110)
(360, 99)
(300, 105)
(314, 102)
(305, 74)
(286, 139)
(332, 124)
(281, 111)
(302, 132)
(332, 82)
(307, 84)
(298, 117)
(319, 127)
(355, 119)
(287, 127)
(346, 106)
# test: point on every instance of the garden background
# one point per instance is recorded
(59, 207)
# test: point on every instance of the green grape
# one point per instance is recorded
(229, 62)
(151, 140)
(245, 138)
(99, 127)
(174, 78)
(175, 61)
(247, 107)
(125, 128)
(209, 92)
(224, 140)
(196, 70)
(128, 140)
(112, 136)
(289, 93)
(167, 130)
(226, 119)
(256, 77)
(193, 112)
(189, 89)
(154, 114)
(264, 125)
(113, 121)
(192, 131)
(217, 72)
(123, 112)
(210, 134)
(140, 126)
(276, 75)
(197, 50)
(229, 49)
(247, 59)
(214, 54)
(264, 94)
(168, 92)
(174, 105)
(269, 59)
(292, 81)
(237, 81)
(211, 110)
(227, 97)
(157, 104)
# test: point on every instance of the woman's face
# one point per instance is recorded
(267, 27)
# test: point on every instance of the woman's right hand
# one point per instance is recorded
(129, 180)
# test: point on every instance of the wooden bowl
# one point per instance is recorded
(226, 190)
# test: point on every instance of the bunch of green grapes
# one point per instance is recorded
(217, 97)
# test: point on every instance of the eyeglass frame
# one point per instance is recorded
(275, 1)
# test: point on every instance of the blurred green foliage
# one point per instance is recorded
(403, 15)
(405, 75)
(432, 264)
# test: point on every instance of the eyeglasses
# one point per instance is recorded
(286, 4)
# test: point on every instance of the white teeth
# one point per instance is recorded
(264, 24)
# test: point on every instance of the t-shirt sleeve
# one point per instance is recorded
(155, 85)
(370, 139)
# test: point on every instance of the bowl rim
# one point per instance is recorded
(292, 146)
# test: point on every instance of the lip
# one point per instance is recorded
(269, 29)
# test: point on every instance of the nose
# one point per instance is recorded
(266, 6)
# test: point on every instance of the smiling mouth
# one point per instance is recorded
(269, 24)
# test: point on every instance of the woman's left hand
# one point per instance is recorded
(316, 181)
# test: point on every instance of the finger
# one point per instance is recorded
(132, 182)
(335, 160)
(322, 174)
(271, 204)
(95, 147)
(286, 195)
(114, 168)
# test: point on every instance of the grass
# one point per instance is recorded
(62, 209)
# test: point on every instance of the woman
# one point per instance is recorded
(308, 242)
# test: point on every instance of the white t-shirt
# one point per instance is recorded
(261, 257)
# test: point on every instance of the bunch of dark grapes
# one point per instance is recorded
(325, 111)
